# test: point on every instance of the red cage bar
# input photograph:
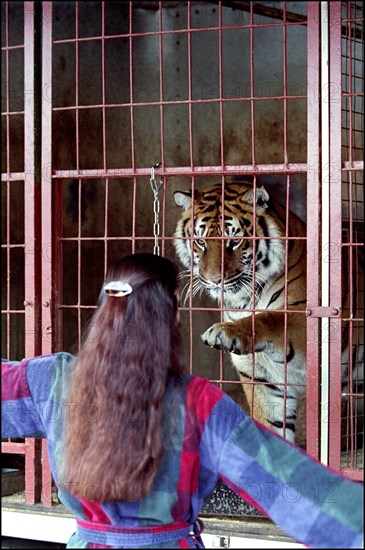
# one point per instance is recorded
(313, 148)
(30, 449)
(353, 235)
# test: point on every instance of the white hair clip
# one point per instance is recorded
(117, 289)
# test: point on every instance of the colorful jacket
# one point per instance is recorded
(211, 440)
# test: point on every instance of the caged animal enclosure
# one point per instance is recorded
(226, 135)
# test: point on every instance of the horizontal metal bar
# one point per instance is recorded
(10, 447)
(176, 31)
(13, 176)
(227, 170)
(10, 113)
(307, 312)
(167, 238)
(354, 165)
(253, 383)
(192, 101)
(198, 309)
(16, 47)
(323, 311)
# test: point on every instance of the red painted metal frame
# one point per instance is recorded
(313, 199)
(33, 466)
(31, 447)
(348, 22)
(225, 170)
(337, 167)
(335, 298)
(47, 298)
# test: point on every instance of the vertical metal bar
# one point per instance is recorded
(131, 93)
(161, 87)
(253, 149)
(285, 85)
(252, 87)
(190, 89)
(103, 80)
(349, 83)
(221, 128)
(335, 232)
(351, 237)
(325, 233)
(79, 217)
(220, 74)
(32, 240)
(285, 113)
(253, 160)
(106, 196)
(131, 100)
(46, 176)
(33, 486)
(191, 153)
(7, 85)
(253, 305)
(46, 216)
(352, 314)
(349, 220)
(313, 175)
(286, 244)
(162, 127)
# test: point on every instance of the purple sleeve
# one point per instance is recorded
(19, 416)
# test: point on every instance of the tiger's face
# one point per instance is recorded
(231, 251)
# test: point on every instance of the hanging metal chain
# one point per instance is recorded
(156, 208)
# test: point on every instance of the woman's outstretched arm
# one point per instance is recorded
(310, 502)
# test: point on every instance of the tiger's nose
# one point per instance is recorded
(214, 278)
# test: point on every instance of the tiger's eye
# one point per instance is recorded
(232, 244)
(200, 243)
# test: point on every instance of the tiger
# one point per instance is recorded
(263, 273)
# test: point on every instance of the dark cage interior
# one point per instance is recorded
(207, 93)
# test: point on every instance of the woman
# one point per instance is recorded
(136, 447)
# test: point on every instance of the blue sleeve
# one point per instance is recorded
(311, 503)
(27, 399)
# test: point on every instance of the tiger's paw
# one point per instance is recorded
(222, 337)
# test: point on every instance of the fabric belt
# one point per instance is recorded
(134, 537)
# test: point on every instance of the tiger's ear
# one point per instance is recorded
(262, 197)
(183, 199)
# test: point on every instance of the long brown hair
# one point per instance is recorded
(114, 435)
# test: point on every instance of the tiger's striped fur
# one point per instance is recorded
(271, 364)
